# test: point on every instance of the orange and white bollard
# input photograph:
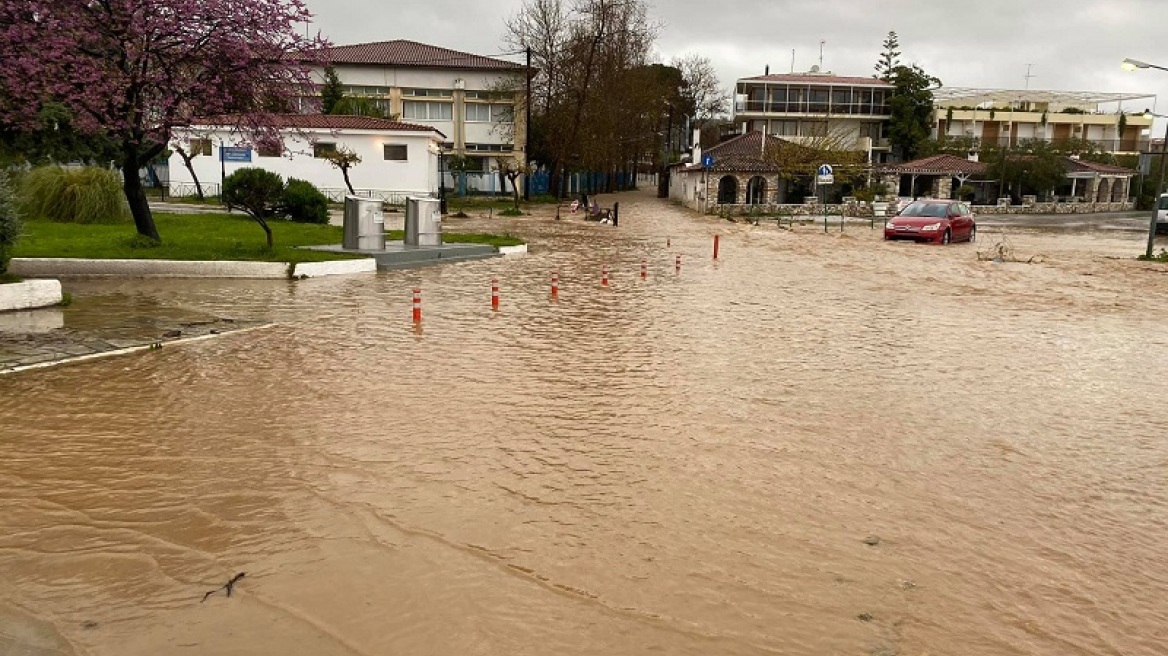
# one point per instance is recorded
(716, 239)
(555, 284)
(604, 277)
(495, 294)
(677, 262)
(668, 242)
(417, 306)
(644, 269)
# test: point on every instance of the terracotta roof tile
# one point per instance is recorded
(326, 122)
(937, 164)
(802, 78)
(747, 153)
(1083, 166)
(413, 54)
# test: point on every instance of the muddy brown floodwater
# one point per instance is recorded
(690, 464)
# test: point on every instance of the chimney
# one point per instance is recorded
(768, 70)
(973, 156)
(697, 145)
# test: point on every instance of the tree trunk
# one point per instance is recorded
(186, 158)
(345, 173)
(136, 197)
(267, 230)
(515, 188)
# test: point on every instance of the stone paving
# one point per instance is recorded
(41, 337)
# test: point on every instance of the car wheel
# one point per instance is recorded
(973, 234)
(947, 237)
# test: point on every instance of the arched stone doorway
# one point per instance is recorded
(728, 190)
(1117, 190)
(1103, 194)
(756, 190)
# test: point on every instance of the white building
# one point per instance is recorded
(1007, 117)
(397, 159)
(817, 109)
(478, 102)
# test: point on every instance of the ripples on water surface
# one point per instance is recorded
(685, 465)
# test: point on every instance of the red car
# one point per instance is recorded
(934, 221)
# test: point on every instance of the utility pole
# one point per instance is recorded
(527, 134)
(1028, 76)
(1156, 197)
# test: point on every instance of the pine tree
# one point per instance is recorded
(332, 92)
(890, 58)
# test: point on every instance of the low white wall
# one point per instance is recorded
(54, 266)
(335, 268)
(69, 267)
(30, 294)
(513, 250)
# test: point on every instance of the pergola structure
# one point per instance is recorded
(968, 96)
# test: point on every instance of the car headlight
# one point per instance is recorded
(932, 227)
(889, 226)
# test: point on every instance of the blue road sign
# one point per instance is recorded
(707, 161)
(825, 170)
(235, 154)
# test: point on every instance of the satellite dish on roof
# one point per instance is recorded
(814, 69)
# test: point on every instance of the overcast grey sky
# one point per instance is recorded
(1072, 45)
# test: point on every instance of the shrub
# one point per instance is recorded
(89, 194)
(9, 223)
(303, 202)
(256, 191)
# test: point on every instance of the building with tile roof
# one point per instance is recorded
(476, 101)
(397, 159)
(807, 107)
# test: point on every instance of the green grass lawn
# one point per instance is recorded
(202, 237)
(184, 237)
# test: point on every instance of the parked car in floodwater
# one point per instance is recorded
(933, 221)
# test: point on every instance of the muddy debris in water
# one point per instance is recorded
(865, 617)
(229, 586)
(872, 540)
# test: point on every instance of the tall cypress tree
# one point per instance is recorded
(332, 92)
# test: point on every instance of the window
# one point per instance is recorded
(490, 148)
(502, 113)
(396, 152)
(489, 95)
(478, 113)
(428, 93)
(427, 111)
(366, 92)
(785, 128)
(322, 149)
(200, 147)
(270, 149)
(814, 128)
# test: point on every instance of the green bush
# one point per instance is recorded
(10, 226)
(303, 203)
(88, 194)
(256, 191)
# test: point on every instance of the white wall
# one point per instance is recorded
(418, 175)
(416, 78)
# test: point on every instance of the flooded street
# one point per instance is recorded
(819, 444)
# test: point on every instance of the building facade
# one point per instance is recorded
(1006, 117)
(397, 159)
(477, 102)
(815, 109)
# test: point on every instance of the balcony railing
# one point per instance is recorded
(1106, 145)
(849, 109)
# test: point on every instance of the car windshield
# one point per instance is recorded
(1164, 202)
(933, 210)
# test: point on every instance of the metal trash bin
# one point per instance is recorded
(423, 222)
(364, 224)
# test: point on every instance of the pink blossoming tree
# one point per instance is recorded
(136, 69)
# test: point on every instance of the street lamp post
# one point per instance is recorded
(1131, 65)
(1159, 189)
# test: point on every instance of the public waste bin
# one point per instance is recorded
(423, 222)
(364, 224)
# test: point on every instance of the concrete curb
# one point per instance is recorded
(513, 250)
(30, 294)
(335, 268)
(128, 350)
(70, 267)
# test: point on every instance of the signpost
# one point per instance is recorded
(235, 154)
(707, 164)
(824, 178)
